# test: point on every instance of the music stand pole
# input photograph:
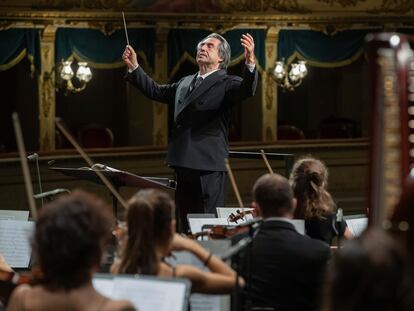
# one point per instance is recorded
(115, 202)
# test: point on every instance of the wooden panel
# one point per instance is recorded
(347, 164)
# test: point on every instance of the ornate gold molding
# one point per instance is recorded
(393, 6)
(343, 3)
(47, 90)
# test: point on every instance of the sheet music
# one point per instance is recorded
(146, 294)
(357, 225)
(196, 224)
(200, 302)
(14, 215)
(104, 286)
(15, 242)
(299, 225)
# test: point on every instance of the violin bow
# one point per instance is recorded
(266, 161)
(25, 167)
(234, 185)
(90, 163)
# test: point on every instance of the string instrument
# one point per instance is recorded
(224, 231)
(266, 161)
(239, 215)
(391, 184)
(390, 63)
(9, 280)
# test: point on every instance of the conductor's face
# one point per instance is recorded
(207, 54)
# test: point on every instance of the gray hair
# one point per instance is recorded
(224, 50)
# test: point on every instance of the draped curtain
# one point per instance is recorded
(319, 49)
(103, 51)
(182, 44)
(16, 43)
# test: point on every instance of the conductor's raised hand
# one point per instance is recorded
(130, 58)
(247, 42)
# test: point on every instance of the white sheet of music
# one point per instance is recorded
(200, 302)
(144, 293)
(357, 225)
(14, 215)
(152, 295)
(15, 242)
(299, 225)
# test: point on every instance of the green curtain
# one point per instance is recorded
(183, 42)
(320, 49)
(103, 51)
(15, 43)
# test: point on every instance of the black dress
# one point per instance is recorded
(325, 228)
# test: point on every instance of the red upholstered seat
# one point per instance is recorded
(289, 132)
(95, 136)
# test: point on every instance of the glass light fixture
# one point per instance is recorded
(84, 73)
(292, 78)
(83, 76)
(66, 72)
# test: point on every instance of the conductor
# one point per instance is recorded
(202, 104)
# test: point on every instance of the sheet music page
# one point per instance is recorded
(150, 295)
(357, 225)
(197, 223)
(15, 242)
(299, 225)
(201, 302)
(104, 286)
(14, 215)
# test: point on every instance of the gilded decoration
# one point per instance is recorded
(343, 3)
(270, 92)
(189, 8)
(291, 6)
(106, 28)
(394, 6)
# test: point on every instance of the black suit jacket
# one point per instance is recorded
(199, 139)
(287, 268)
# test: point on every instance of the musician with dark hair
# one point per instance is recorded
(150, 237)
(286, 268)
(68, 243)
(202, 104)
(309, 180)
(371, 272)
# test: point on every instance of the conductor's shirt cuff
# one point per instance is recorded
(251, 67)
(132, 70)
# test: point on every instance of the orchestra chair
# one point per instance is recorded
(336, 127)
(289, 132)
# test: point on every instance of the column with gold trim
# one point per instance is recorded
(160, 111)
(269, 89)
(47, 90)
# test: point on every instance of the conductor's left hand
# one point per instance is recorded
(130, 58)
(247, 42)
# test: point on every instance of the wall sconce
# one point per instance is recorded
(292, 78)
(65, 75)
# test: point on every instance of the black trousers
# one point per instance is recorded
(197, 192)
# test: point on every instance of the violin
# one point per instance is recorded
(218, 232)
(9, 280)
(239, 215)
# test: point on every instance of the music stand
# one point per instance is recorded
(117, 178)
